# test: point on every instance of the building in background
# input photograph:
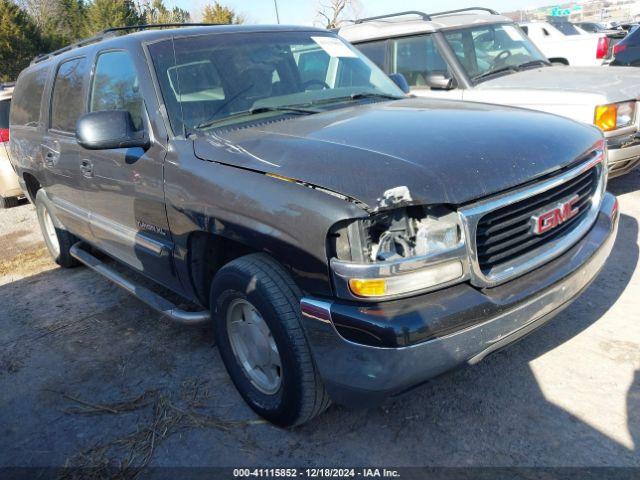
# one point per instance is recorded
(595, 10)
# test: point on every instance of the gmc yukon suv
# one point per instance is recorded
(346, 242)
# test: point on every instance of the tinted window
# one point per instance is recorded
(417, 57)
(116, 86)
(566, 28)
(27, 97)
(67, 103)
(376, 51)
(4, 113)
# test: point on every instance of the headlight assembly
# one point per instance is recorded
(398, 253)
(615, 116)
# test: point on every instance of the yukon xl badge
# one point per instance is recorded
(151, 228)
(556, 216)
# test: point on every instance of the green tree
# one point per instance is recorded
(20, 40)
(155, 11)
(67, 26)
(102, 14)
(220, 14)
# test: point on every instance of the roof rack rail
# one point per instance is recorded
(151, 26)
(392, 15)
(462, 10)
(110, 32)
(426, 16)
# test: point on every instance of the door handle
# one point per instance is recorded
(50, 156)
(86, 167)
(49, 159)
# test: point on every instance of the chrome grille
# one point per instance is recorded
(505, 234)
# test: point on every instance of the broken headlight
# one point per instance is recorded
(399, 252)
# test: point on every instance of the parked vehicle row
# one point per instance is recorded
(346, 241)
(480, 56)
(562, 43)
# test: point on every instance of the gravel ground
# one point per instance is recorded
(89, 376)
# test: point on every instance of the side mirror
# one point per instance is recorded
(439, 81)
(109, 130)
(400, 81)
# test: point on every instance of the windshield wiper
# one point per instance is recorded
(357, 96)
(360, 95)
(255, 111)
(495, 72)
(533, 63)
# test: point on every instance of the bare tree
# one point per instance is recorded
(43, 12)
(332, 13)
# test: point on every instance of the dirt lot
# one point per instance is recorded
(89, 375)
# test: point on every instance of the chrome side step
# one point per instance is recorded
(145, 295)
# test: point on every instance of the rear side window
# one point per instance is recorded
(416, 58)
(4, 113)
(116, 86)
(27, 98)
(67, 103)
(376, 51)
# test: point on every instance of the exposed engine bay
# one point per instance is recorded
(401, 233)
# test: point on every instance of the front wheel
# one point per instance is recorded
(58, 240)
(257, 325)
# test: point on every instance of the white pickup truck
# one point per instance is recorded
(562, 42)
(485, 57)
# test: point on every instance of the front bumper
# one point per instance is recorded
(624, 154)
(461, 324)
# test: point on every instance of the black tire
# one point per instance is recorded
(8, 202)
(264, 283)
(65, 239)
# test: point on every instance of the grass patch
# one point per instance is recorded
(27, 262)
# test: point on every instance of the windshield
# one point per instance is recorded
(566, 28)
(489, 49)
(224, 79)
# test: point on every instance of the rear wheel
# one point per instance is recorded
(58, 240)
(257, 325)
(8, 202)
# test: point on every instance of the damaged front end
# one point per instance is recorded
(400, 251)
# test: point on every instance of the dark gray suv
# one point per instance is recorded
(346, 242)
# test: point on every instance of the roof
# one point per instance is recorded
(399, 26)
(112, 39)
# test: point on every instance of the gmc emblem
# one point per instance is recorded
(556, 216)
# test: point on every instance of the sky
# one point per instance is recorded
(303, 11)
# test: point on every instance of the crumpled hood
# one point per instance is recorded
(442, 151)
(615, 83)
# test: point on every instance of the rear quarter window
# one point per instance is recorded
(27, 98)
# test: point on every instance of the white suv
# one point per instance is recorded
(478, 55)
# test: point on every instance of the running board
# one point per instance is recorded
(142, 293)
